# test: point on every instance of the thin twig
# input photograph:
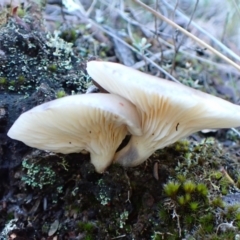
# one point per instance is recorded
(236, 131)
(236, 5)
(133, 49)
(216, 41)
(90, 9)
(205, 45)
(130, 20)
(177, 46)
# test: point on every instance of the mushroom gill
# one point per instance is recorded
(94, 122)
(169, 111)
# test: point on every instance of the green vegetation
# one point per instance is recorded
(194, 193)
(52, 67)
(60, 94)
(3, 81)
(38, 176)
(186, 199)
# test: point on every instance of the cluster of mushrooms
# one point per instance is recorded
(155, 111)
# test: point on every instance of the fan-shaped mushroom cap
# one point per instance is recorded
(168, 110)
(95, 122)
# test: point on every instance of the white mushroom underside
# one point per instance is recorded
(168, 100)
(168, 111)
(170, 121)
(66, 132)
(162, 126)
(165, 121)
(96, 123)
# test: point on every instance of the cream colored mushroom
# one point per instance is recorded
(168, 110)
(94, 122)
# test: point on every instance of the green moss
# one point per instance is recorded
(156, 236)
(12, 83)
(171, 188)
(60, 94)
(182, 146)
(238, 182)
(188, 155)
(194, 206)
(230, 212)
(217, 175)
(163, 214)
(237, 216)
(10, 216)
(207, 223)
(89, 237)
(197, 194)
(202, 189)
(189, 219)
(52, 67)
(217, 202)
(69, 35)
(189, 186)
(86, 226)
(224, 190)
(181, 200)
(21, 79)
(3, 81)
(181, 178)
(237, 223)
(188, 197)
(21, 12)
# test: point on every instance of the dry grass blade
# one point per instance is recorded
(199, 41)
(208, 34)
(133, 49)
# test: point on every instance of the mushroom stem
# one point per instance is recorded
(134, 153)
(101, 162)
